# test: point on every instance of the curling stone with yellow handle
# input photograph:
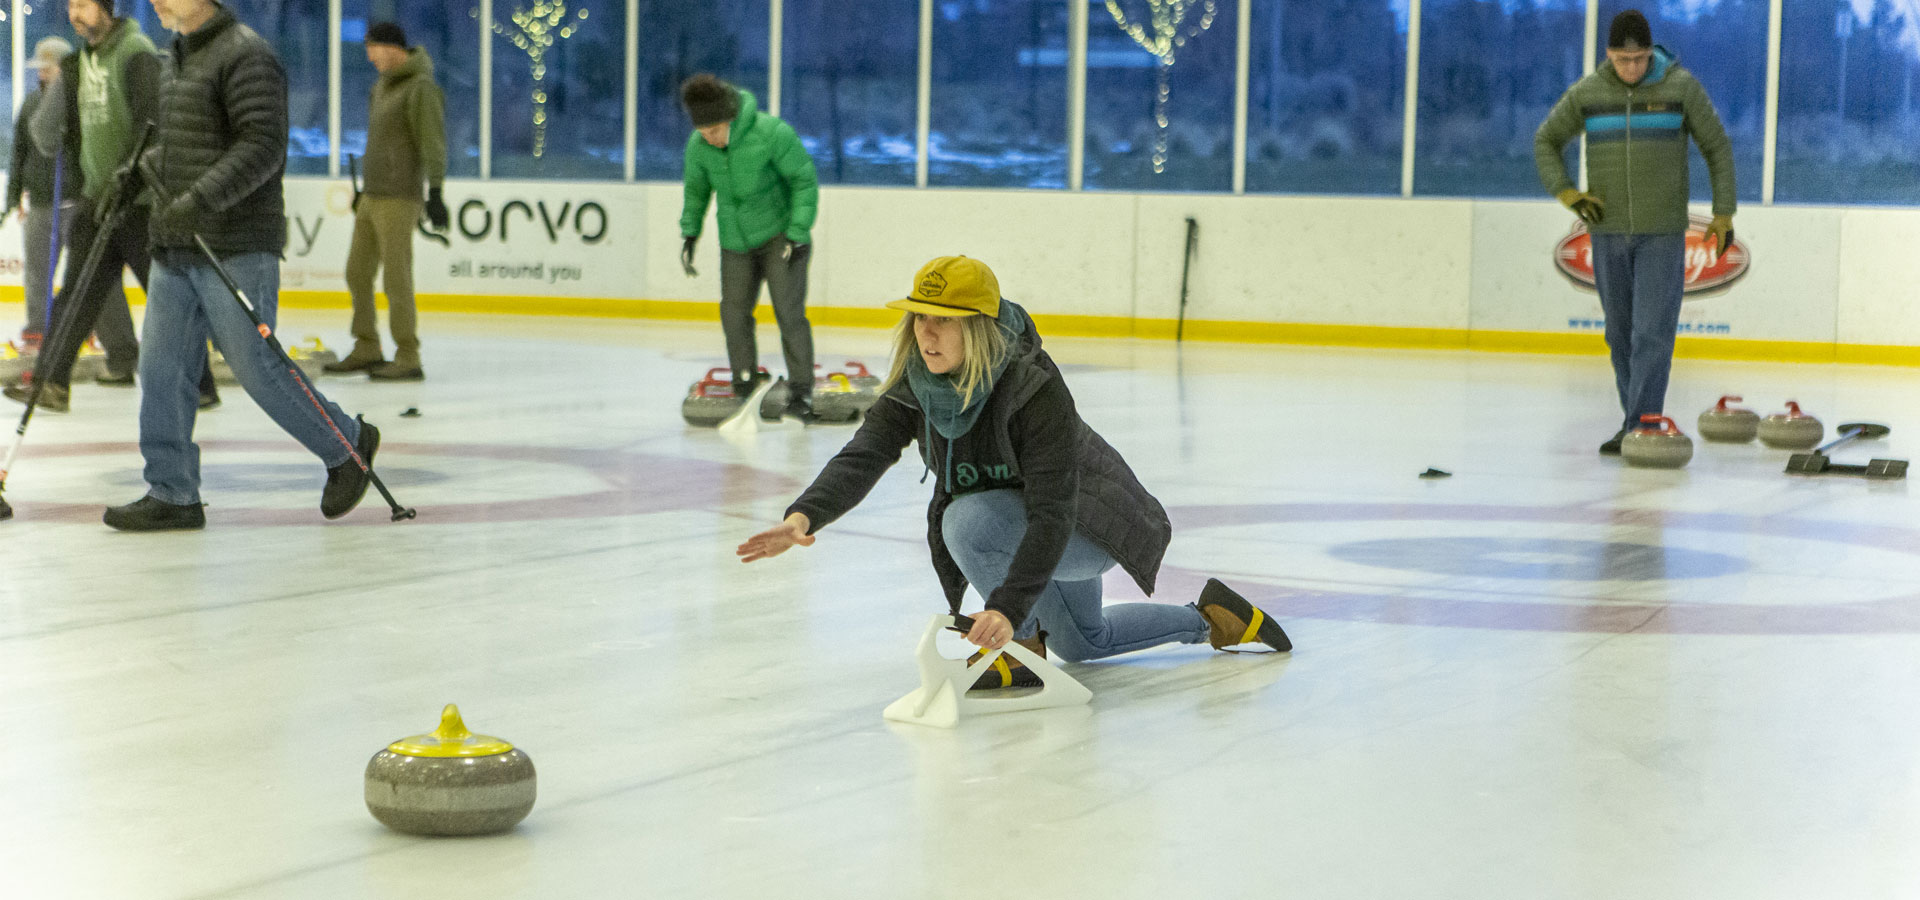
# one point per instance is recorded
(450, 782)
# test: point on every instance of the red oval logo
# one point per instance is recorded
(1573, 256)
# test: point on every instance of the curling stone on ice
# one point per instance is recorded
(711, 401)
(1791, 430)
(1656, 444)
(839, 396)
(14, 361)
(450, 782)
(310, 356)
(1729, 424)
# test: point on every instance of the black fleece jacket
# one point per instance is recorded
(1029, 438)
(223, 139)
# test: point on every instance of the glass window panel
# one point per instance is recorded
(852, 71)
(1489, 73)
(1849, 118)
(1160, 95)
(298, 32)
(559, 73)
(449, 30)
(558, 80)
(1724, 44)
(1326, 96)
(999, 116)
(680, 39)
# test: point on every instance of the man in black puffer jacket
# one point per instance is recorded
(216, 168)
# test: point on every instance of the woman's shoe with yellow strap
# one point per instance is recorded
(1233, 621)
(1007, 672)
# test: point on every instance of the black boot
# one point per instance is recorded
(150, 513)
(800, 406)
(1612, 445)
(347, 482)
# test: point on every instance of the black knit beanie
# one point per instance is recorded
(387, 33)
(709, 101)
(1629, 31)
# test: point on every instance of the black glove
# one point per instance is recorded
(796, 254)
(178, 215)
(686, 256)
(437, 210)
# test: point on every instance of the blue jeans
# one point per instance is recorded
(1641, 279)
(186, 305)
(982, 532)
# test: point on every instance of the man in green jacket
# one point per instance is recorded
(1638, 109)
(769, 196)
(406, 147)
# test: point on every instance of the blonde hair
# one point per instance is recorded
(982, 346)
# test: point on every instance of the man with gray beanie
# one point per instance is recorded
(406, 148)
(30, 187)
(768, 195)
(1638, 109)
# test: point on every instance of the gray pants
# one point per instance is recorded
(740, 278)
(38, 276)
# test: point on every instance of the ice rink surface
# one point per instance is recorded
(1547, 676)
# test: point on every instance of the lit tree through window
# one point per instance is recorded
(1164, 32)
(535, 29)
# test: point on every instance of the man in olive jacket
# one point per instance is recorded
(406, 147)
(769, 196)
(216, 170)
(1638, 109)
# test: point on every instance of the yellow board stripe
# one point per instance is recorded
(1299, 333)
(1253, 628)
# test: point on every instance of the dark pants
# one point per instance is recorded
(1641, 279)
(126, 246)
(740, 278)
(103, 308)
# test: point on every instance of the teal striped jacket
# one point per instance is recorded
(1637, 145)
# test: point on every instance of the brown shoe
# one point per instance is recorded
(1007, 672)
(361, 359)
(53, 398)
(1233, 621)
(395, 371)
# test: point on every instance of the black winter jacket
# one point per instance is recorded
(223, 138)
(1029, 438)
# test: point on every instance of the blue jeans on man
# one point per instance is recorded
(1641, 278)
(983, 530)
(186, 305)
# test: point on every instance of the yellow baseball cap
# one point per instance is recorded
(953, 286)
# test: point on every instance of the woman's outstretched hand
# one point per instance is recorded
(775, 541)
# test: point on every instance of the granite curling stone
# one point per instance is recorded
(1729, 424)
(450, 782)
(1656, 444)
(1791, 430)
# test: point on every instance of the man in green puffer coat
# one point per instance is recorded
(769, 195)
(1638, 110)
